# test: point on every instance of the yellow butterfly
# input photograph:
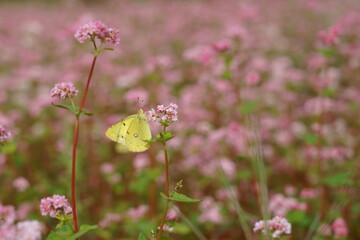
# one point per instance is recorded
(133, 132)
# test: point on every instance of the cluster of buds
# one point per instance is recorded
(152, 235)
(331, 36)
(178, 186)
(64, 90)
(55, 206)
(4, 134)
(278, 226)
(164, 115)
(97, 30)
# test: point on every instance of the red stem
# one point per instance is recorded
(76, 137)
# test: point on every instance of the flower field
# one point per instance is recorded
(184, 120)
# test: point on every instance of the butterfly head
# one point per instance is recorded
(142, 115)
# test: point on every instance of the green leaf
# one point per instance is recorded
(243, 174)
(67, 107)
(162, 137)
(166, 136)
(310, 138)
(355, 209)
(226, 75)
(83, 229)
(340, 179)
(329, 92)
(8, 148)
(241, 158)
(248, 107)
(181, 228)
(326, 52)
(60, 234)
(110, 49)
(142, 237)
(86, 113)
(178, 197)
(153, 140)
(298, 218)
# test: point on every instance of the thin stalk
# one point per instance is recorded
(167, 191)
(195, 230)
(312, 228)
(239, 210)
(320, 164)
(76, 138)
(163, 220)
(259, 167)
(73, 175)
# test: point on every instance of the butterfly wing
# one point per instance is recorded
(117, 132)
(138, 134)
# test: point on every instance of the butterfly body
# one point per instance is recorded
(133, 132)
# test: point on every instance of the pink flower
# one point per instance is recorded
(167, 228)
(107, 168)
(141, 161)
(252, 79)
(137, 95)
(324, 230)
(278, 226)
(210, 211)
(172, 215)
(309, 193)
(222, 45)
(4, 134)
(23, 211)
(29, 230)
(7, 215)
(97, 29)
(164, 115)
(109, 218)
(340, 228)
(55, 206)
(200, 54)
(7, 232)
(20, 184)
(330, 37)
(64, 90)
(281, 205)
(137, 213)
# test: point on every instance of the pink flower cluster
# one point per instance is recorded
(4, 134)
(277, 225)
(211, 211)
(20, 184)
(222, 46)
(172, 215)
(97, 29)
(281, 205)
(64, 90)
(7, 215)
(164, 115)
(28, 230)
(340, 228)
(330, 37)
(138, 212)
(25, 230)
(55, 206)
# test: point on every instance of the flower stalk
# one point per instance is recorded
(167, 191)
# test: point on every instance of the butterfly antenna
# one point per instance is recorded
(140, 103)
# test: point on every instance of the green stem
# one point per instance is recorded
(67, 223)
(167, 192)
